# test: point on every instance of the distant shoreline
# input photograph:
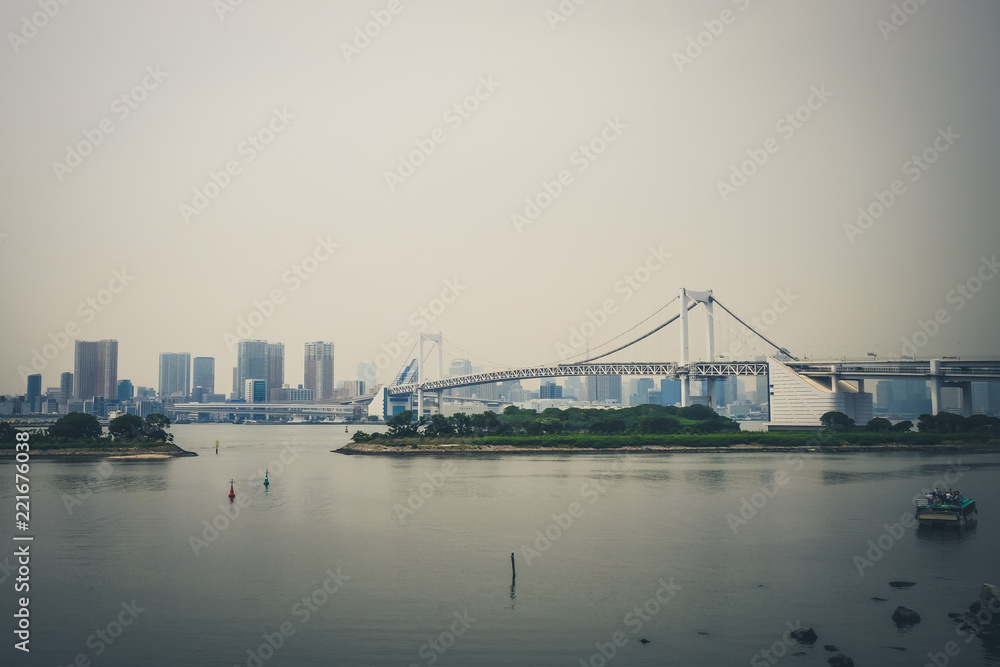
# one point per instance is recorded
(126, 452)
(458, 449)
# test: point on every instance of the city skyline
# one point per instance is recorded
(510, 172)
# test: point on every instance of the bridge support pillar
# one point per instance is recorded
(685, 391)
(420, 403)
(935, 386)
(966, 399)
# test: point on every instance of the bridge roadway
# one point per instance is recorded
(944, 370)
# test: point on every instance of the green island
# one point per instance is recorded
(80, 436)
(696, 428)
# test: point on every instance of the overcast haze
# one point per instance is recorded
(343, 121)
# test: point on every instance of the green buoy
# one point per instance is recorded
(266, 483)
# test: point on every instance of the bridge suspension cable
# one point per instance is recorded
(619, 349)
(762, 336)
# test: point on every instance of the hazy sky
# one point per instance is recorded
(116, 115)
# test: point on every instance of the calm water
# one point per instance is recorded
(398, 579)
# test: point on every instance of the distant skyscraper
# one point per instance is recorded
(670, 391)
(175, 375)
(461, 367)
(95, 369)
(609, 388)
(34, 393)
(203, 374)
(125, 390)
(251, 363)
(65, 387)
(550, 390)
(642, 388)
(319, 370)
(368, 373)
(275, 367)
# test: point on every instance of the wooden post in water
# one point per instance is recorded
(513, 570)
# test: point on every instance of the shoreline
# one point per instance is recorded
(459, 449)
(154, 453)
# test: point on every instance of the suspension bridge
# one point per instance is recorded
(798, 391)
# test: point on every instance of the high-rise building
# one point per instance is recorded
(670, 391)
(125, 390)
(460, 367)
(642, 388)
(65, 387)
(251, 363)
(275, 366)
(255, 391)
(203, 374)
(95, 369)
(175, 375)
(318, 370)
(609, 388)
(355, 387)
(34, 394)
(550, 390)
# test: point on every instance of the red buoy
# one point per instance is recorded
(232, 493)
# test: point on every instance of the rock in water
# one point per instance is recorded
(804, 635)
(880, 599)
(831, 647)
(904, 616)
(902, 584)
(840, 660)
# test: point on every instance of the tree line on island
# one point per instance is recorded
(79, 429)
(695, 425)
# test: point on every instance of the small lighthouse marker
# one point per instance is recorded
(232, 493)
(266, 483)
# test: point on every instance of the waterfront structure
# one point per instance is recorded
(318, 370)
(95, 369)
(550, 390)
(175, 375)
